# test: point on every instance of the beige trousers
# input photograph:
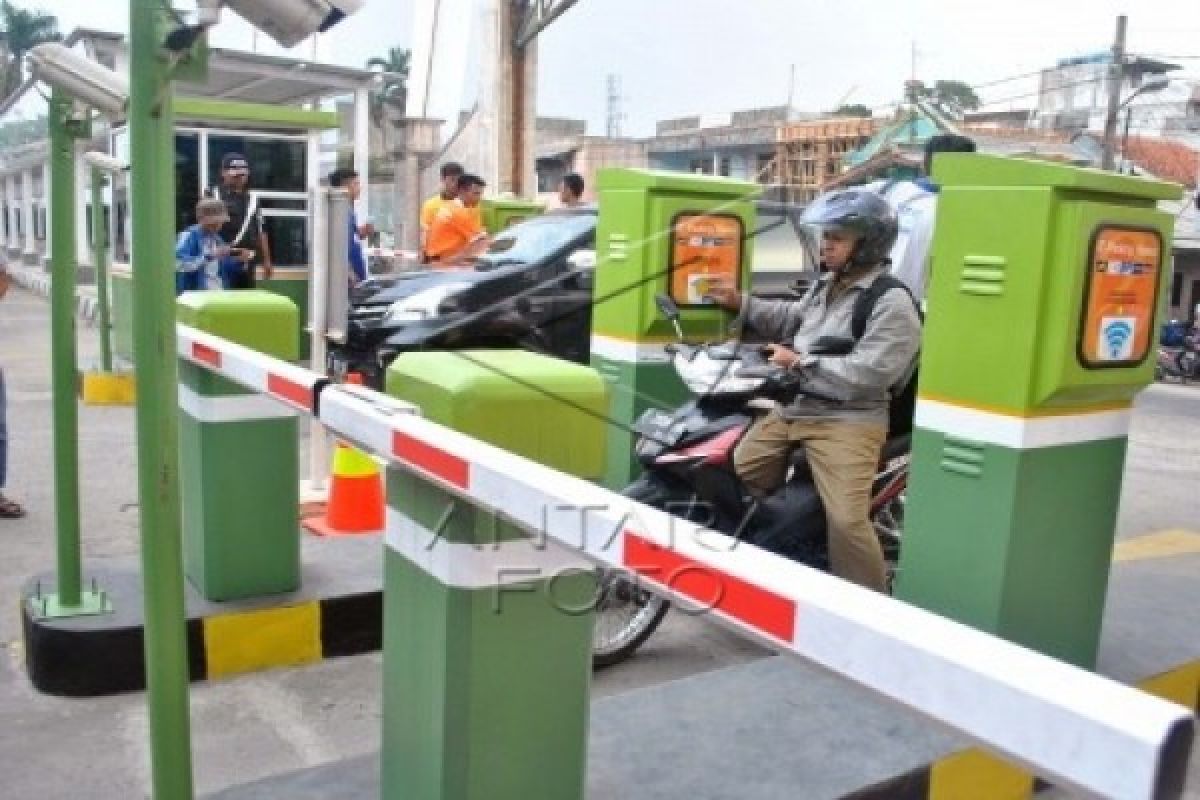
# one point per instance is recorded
(844, 457)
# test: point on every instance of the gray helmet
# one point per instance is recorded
(864, 214)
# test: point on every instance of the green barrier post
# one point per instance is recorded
(240, 467)
(659, 233)
(487, 646)
(1042, 323)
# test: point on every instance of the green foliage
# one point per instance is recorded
(23, 30)
(394, 90)
(853, 110)
(953, 96)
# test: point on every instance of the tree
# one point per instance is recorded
(22, 31)
(854, 110)
(953, 96)
(393, 93)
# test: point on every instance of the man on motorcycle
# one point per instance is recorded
(840, 412)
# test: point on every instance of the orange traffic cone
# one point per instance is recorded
(355, 496)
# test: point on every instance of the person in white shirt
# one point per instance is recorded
(915, 204)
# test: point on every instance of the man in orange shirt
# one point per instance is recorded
(448, 195)
(455, 235)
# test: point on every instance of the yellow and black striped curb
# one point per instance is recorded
(977, 775)
(102, 655)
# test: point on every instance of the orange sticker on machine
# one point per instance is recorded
(1123, 279)
(703, 246)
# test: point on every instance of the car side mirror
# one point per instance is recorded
(582, 259)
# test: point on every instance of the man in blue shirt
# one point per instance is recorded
(348, 179)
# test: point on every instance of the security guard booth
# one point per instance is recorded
(659, 233)
(1046, 288)
(281, 144)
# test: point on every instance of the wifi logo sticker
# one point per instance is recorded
(1115, 342)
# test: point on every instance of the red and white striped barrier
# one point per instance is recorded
(1064, 723)
(1067, 724)
(294, 386)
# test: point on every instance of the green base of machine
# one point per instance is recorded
(485, 690)
(633, 388)
(1014, 542)
(91, 603)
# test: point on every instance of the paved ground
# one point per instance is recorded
(264, 724)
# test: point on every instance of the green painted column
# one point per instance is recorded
(152, 197)
(69, 598)
(239, 470)
(1043, 310)
(487, 632)
(659, 233)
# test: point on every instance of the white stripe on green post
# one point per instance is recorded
(240, 474)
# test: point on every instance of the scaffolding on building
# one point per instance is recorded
(811, 153)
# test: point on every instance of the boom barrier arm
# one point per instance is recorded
(1068, 725)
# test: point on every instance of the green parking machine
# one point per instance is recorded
(1043, 307)
(659, 233)
(504, 212)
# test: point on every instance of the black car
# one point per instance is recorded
(532, 289)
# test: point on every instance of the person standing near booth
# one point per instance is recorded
(9, 509)
(456, 234)
(349, 180)
(244, 231)
(447, 196)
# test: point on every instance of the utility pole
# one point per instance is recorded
(1116, 78)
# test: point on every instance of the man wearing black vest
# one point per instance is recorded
(244, 231)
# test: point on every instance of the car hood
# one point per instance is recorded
(387, 290)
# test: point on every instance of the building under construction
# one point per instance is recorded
(811, 153)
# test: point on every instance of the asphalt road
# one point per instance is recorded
(259, 725)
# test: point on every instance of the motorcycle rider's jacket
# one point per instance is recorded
(856, 386)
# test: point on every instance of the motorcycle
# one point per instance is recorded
(687, 458)
(1181, 363)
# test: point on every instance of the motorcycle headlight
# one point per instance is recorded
(426, 304)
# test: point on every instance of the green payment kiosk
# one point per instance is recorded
(659, 233)
(1047, 283)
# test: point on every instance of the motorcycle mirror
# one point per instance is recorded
(669, 310)
(667, 306)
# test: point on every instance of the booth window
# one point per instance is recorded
(276, 164)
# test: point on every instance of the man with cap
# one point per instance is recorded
(243, 232)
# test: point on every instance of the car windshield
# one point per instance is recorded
(535, 239)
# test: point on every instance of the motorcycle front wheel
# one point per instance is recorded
(626, 613)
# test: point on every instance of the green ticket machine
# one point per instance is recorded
(1043, 310)
(659, 233)
(504, 212)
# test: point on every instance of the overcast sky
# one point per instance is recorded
(677, 57)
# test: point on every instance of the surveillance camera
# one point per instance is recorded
(290, 22)
(79, 76)
(104, 162)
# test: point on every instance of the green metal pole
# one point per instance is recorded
(100, 257)
(151, 134)
(63, 369)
